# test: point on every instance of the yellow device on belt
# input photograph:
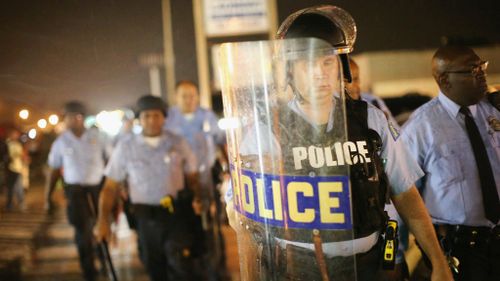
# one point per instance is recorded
(390, 245)
(167, 202)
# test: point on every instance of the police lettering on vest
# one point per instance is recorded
(338, 154)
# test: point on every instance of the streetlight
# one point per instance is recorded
(32, 134)
(53, 119)
(42, 123)
(24, 114)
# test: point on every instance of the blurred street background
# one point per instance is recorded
(35, 246)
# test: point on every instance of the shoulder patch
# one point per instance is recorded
(393, 130)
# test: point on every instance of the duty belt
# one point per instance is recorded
(340, 248)
(450, 236)
(472, 235)
(154, 212)
(81, 187)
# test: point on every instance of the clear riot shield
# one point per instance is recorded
(289, 159)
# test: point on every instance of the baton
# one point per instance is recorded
(103, 245)
(216, 227)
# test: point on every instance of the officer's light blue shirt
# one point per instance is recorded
(437, 137)
(152, 172)
(201, 131)
(82, 159)
(370, 98)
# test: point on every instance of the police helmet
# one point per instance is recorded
(149, 102)
(329, 23)
(74, 107)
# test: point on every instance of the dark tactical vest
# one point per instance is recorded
(368, 195)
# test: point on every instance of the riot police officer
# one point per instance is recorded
(293, 161)
(81, 154)
(155, 163)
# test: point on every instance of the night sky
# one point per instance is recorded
(54, 51)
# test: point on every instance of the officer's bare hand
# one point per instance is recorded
(102, 231)
(212, 209)
(197, 206)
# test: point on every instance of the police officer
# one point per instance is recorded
(199, 127)
(155, 163)
(456, 138)
(80, 154)
(310, 117)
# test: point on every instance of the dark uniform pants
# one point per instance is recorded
(478, 250)
(83, 220)
(167, 243)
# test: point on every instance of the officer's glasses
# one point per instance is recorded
(475, 70)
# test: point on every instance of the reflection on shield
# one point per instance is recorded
(289, 159)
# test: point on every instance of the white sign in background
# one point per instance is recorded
(235, 17)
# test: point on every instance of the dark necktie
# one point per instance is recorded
(488, 186)
(376, 104)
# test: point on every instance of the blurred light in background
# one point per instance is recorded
(136, 128)
(42, 123)
(128, 114)
(89, 121)
(32, 134)
(53, 119)
(110, 122)
(228, 123)
(24, 114)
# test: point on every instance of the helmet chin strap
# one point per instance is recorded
(290, 82)
(295, 91)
